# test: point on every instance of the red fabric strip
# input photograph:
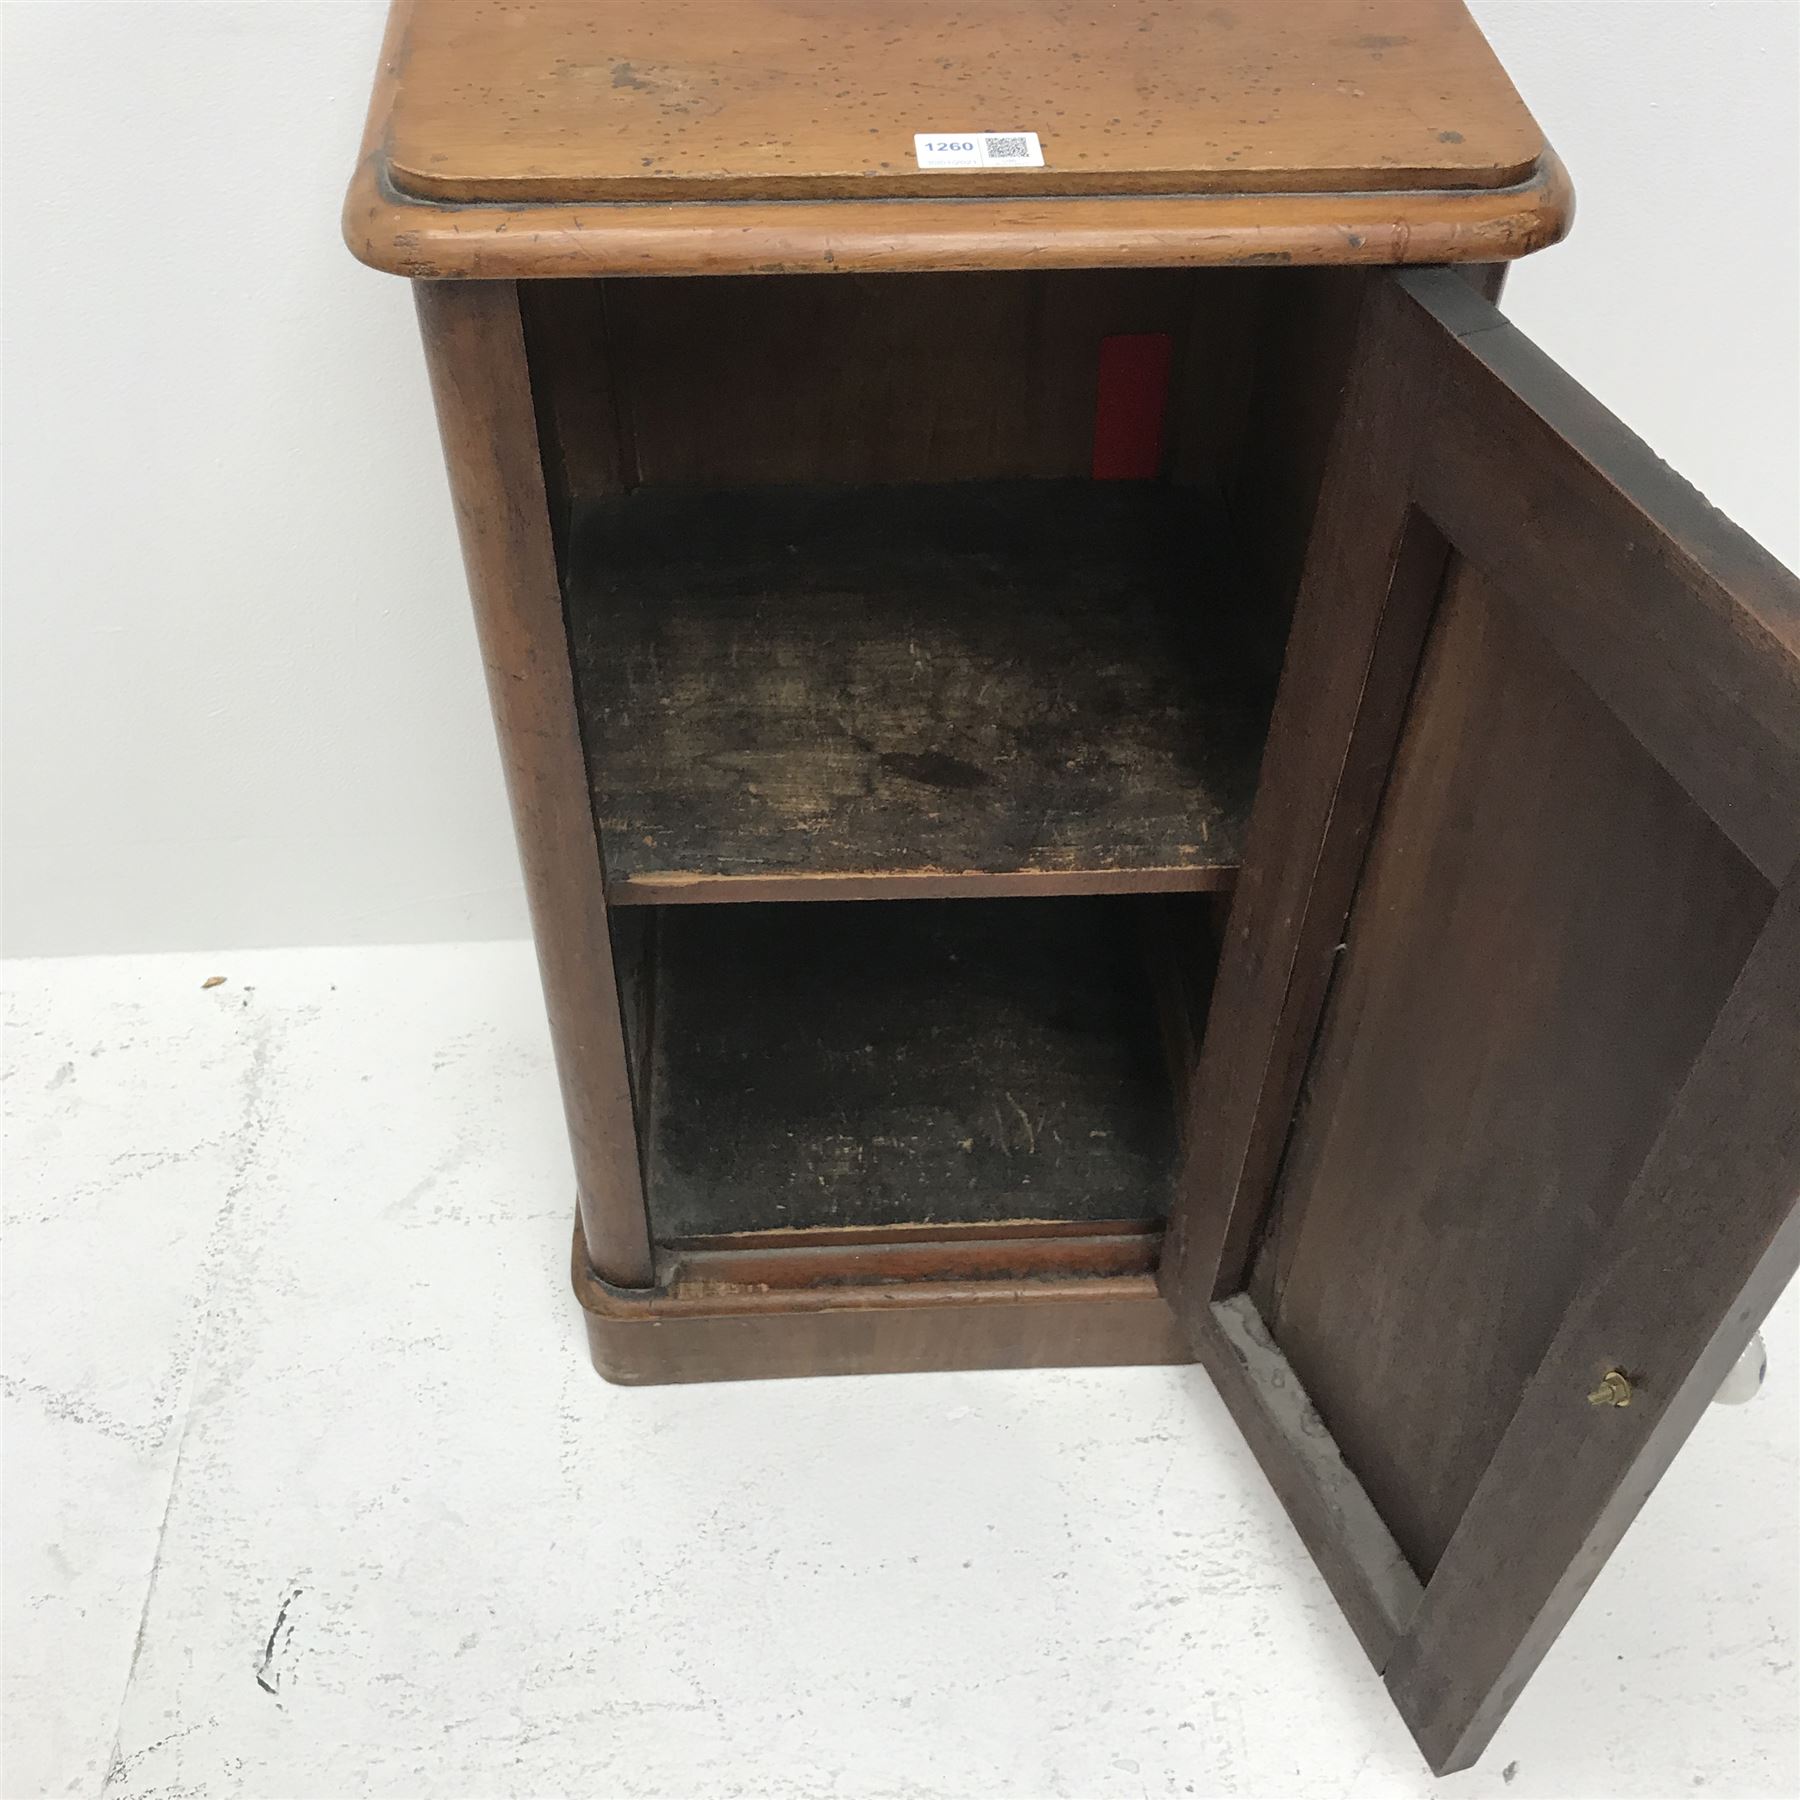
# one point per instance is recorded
(1129, 409)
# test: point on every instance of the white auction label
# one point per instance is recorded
(978, 150)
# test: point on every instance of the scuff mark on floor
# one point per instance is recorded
(268, 1677)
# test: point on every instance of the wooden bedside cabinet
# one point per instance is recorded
(1110, 765)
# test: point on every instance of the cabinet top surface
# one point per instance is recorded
(559, 101)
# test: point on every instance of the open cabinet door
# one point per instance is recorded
(1496, 1130)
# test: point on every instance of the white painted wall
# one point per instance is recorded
(242, 701)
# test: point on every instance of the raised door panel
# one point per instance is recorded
(1545, 930)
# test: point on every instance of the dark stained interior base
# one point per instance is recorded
(913, 1062)
(786, 689)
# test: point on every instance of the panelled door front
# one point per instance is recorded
(1497, 1129)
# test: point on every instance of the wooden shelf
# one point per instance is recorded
(853, 1067)
(976, 687)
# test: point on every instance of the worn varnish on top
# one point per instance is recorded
(1310, 131)
(718, 99)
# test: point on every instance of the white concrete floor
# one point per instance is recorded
(309, 1490)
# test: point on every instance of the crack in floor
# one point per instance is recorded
(264, 1031)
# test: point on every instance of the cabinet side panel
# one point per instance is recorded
(1297, 353)
(1546, 929)
(475, 347)
(573, 389)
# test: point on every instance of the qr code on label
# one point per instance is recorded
(978, 150)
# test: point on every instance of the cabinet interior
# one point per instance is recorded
(925, 630)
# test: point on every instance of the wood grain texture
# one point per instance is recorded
(1215, 355)
(1370, 584)
(493, 241)
(1683, 624)
(904, 1064)
(593, 100)
(1029, 1251)
(575, 388)
(1179, 937)
(675, 1336)
(1702, 1247)
(498, 240)
(1230, 220)
(936, 1238)
(750, 380)
(1467, 1140)
(475, 349)
(1550, 1124)
(798, 692)
(1296, 367)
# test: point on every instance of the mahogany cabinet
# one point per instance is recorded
(1110, 766)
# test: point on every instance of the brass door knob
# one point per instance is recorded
(1614, 1390)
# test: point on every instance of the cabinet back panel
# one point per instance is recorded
(854, 379)
(1533, 876)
